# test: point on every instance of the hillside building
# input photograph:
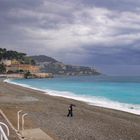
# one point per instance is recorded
(23, 67)
(6, 62)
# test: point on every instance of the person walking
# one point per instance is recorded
(70, 110)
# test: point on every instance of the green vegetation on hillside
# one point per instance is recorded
(2, 68)
(10, 55)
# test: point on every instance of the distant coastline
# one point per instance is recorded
(41, 66)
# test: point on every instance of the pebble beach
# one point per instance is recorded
(50, 114)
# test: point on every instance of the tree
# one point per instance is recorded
(2, 52)
(27, 75)
(9, 54)
(33, 62)
(2, 68)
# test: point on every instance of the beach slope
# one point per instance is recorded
(50, 114)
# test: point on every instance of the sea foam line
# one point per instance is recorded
(91, 100)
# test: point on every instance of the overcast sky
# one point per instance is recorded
(104, 33)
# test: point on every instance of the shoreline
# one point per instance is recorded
(125, 107)
(49, 113)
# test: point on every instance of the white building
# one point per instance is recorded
(6, 62)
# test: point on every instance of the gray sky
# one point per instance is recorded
(104, 33)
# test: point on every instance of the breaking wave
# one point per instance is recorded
(92, 100)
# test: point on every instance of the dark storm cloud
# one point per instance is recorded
(109, 56)
(128, 58)
(120, 5)
(80, 32)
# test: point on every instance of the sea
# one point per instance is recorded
(115, 92)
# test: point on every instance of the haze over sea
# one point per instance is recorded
(116, 92)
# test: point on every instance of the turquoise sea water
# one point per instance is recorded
(121, 93)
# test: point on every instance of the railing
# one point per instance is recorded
(3, 136)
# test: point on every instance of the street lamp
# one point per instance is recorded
(18, 118)
(23, 116)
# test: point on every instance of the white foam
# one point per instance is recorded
(92, 100)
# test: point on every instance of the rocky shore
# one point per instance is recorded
(50, 114)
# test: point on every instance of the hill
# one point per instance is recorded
(51, 65)
(43, 58)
